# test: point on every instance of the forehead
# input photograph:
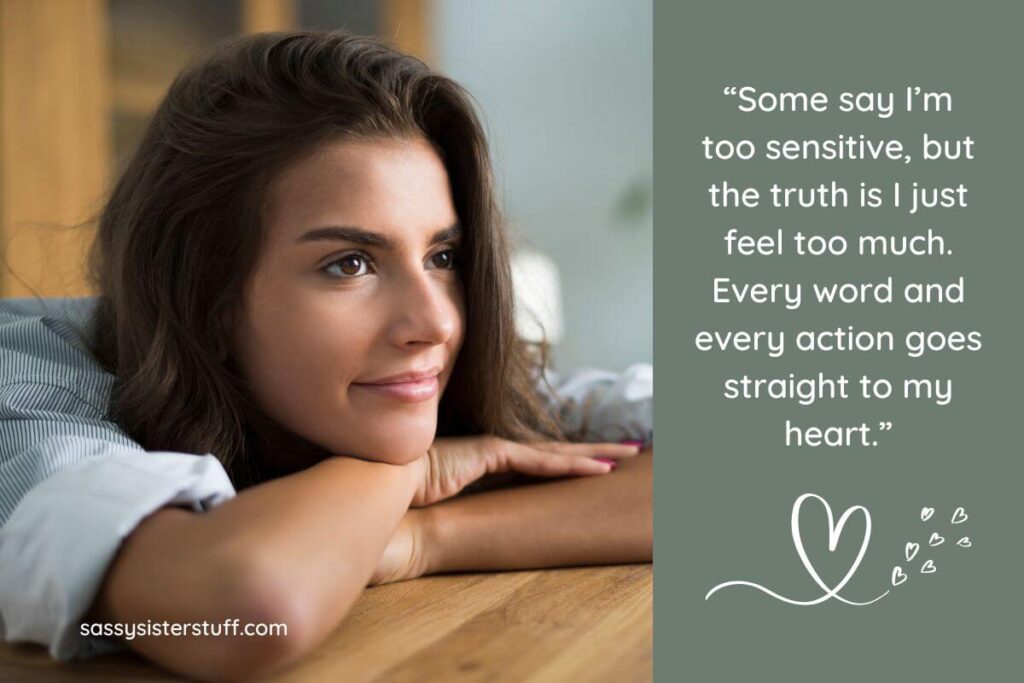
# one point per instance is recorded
(398, 186)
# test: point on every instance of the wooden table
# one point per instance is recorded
(576, 624)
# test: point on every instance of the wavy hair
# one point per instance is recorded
(182, 230)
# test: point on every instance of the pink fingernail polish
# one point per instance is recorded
(638, 444)
(609, 461)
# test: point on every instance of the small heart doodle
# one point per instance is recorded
(959, 516)
(964, 542)
(928, 567)
(926, 513)
(936, 540)
(898, 576)
(911, 550)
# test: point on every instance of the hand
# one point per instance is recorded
(452, 463)
(594, 521)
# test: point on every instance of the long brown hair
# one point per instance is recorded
(183, 227)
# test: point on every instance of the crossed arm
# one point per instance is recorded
(274, 554)
(583, 520)
(298, 549)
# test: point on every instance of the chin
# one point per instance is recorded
(396, 447)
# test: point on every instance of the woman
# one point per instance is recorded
(302, 274)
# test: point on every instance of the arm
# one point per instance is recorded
(588, 520)
(610, 516)
(92, 523)
(246, 559)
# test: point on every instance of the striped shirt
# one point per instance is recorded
(73, 484)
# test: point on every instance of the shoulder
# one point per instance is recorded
(48, 343)
(67, 320)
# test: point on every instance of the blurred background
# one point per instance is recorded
(564, 88)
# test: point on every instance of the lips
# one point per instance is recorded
(409, 387)
(410, 376)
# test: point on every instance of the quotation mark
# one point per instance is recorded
(730, 90)
(911, 549)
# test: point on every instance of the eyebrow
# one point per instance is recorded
(348, 233)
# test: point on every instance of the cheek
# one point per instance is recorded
(334, 336)
(302, 353)
(300, 357)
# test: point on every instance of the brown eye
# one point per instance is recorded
(444, 259)
(349, 265)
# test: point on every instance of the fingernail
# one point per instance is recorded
(638, 444)
(608, 461)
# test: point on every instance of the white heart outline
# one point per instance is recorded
(928, 567)
(962, 544)
(911, 555)
(898, 577)
(834, 531)
(936, 540)
(926, 513)
(962, 519)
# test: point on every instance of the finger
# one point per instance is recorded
(547, 464)
(581, 448)
(611, 450)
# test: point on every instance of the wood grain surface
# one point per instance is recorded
(573, 624)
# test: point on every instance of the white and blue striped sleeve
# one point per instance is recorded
(600, 405)
(73, 485)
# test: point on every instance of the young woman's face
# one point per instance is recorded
(357, 288)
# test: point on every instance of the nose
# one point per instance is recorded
(426, 310)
